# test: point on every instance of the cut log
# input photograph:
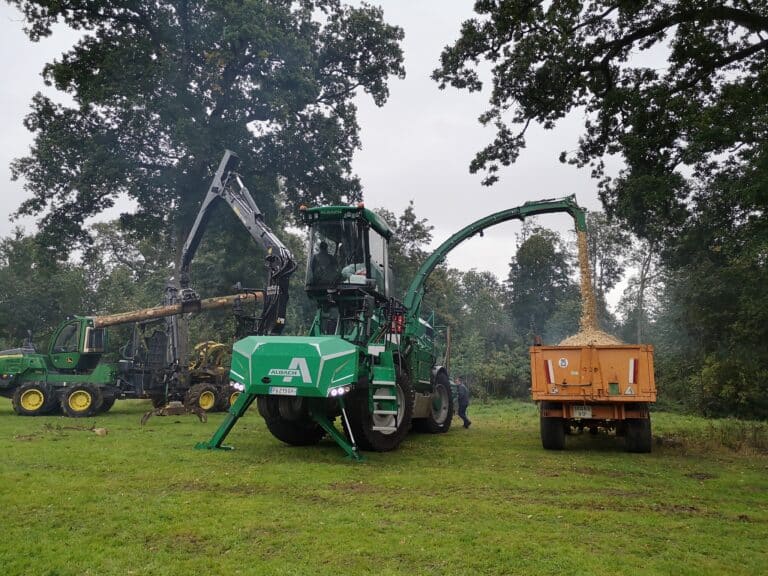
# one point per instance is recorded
(163, 311)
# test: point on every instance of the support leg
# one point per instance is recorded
(327, 425)
(239, 408)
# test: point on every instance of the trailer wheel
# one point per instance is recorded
(364, 424)
(33, 399)
(552, 433)
(441, 409)
(81, 401)
(202, 397)
(639, 438)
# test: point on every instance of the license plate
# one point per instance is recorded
(282, 390)
(581, 411)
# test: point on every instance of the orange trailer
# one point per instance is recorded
(598, 386)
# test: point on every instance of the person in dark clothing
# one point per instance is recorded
(324, 266)
(463, 401)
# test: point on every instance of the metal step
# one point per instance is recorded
(384, 428)
(377, 397)
(386, 412)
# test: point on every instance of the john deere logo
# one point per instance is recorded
(297, 367)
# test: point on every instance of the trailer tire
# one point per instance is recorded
(81, 401)
(639, 438)
(552, 433)
(441, 408)
(201, 397)
(33, 399)
(362, 422)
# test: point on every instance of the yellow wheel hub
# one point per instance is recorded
(32, 400)
(80, 400)
(207, 400)
(233, 398)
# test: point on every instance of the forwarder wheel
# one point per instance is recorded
(638, 438)
(226, 397)
(363, 422)
(107, 403)
(441, 409)
(201, 396)
(33, 399)
(81, 401)
(552, 433)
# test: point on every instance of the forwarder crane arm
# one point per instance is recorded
(415, 293)
(227, 186)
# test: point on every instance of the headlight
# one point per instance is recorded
(237, 386)
(341, 390)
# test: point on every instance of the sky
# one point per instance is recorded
(417, 147)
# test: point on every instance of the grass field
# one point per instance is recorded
(487, 500)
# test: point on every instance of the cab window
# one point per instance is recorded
(95, 340)
(68, 338)
(379, 261)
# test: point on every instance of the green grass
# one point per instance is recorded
(487, 500)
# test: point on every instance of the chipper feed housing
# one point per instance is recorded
(594, 386)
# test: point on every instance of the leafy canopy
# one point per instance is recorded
(161, 88)
(679, 89)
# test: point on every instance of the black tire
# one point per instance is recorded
(226, 398)
(33, 399)
(81, 401)
(302, 431)
(639, 438)
(107, 403)
(552, 433)
(362, 421)
(441, 408)
(201, 397)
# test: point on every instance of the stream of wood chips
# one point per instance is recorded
(589, 332)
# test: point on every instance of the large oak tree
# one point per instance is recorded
(161, 88)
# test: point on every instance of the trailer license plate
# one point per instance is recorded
(282, 390)
(581, 411)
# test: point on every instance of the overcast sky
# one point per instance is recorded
(417, 147)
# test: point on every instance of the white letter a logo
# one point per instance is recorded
(299, 364)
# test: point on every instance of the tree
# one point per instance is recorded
(408, 246)
(36, 291)
(160, 89)
(703, 112)
(539, 285)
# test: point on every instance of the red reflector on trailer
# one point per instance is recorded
(633, 370)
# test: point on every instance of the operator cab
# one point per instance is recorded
(78, 345)
(347, 251)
